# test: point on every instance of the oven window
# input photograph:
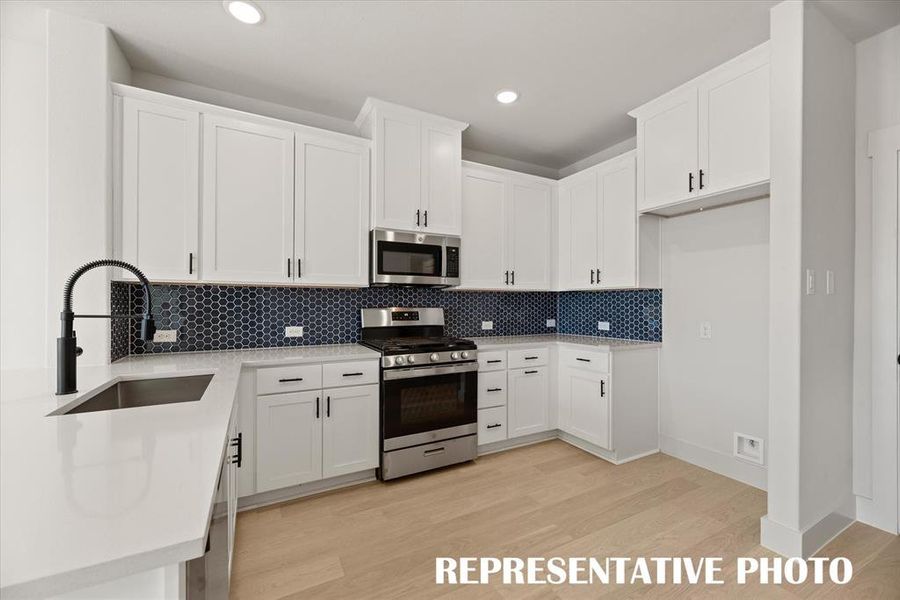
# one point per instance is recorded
(428, 403)
(397, 258)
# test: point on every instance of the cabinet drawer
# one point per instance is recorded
(492, 389)
(533, 357)
(350, 373)
(491, 425)
(295, 378)
(597, 362)
(492, 360)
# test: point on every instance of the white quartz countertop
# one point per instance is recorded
(506, 342)
(91, 497)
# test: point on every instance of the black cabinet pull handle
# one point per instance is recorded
(513, 278)
(531, 357)
(507, 278)
(328, 406)
(701, 179)
(418, 215)
(495, 389)
(530, 372)
(495, 425)
(352, 374)
(584, 359)
(592, 277)
(690, 182)
(285, 380)
(497, 360)
(238, 443)
(426, 218)
(190, 263)
(289, 268)
(602, 388)
(598, 276)
(299, 271)
(317, 408)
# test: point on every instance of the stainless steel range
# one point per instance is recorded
(429, 390)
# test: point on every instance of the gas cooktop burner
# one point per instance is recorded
(392, 346)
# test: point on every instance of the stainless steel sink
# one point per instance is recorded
(142, 392)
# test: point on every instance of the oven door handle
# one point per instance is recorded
(411, 372)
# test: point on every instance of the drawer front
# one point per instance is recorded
(597, 362)
(295, 378)
(359, 372)
(492, 360)
(491, 389)
(491, 425)
(533, 357)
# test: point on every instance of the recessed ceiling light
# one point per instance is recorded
(244, 11)
(507, 96)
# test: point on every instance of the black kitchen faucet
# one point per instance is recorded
(67, 349)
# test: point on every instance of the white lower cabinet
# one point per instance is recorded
(310, 435)
(350, 430)
(491, 425)
(585, 397)
(528, 401)
(288, 439)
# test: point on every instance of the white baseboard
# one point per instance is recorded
(789, 542)
(525, 440)
(305, 489)
(715, 461)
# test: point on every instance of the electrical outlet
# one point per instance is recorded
(487, 325)
(603, 326)
(163, 336)
(293, 332)
(551, 322)
(705, 330)
(749, 448)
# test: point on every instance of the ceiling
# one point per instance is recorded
(578, 66)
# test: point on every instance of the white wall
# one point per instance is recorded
(55, 164)
(877, 107)
(810, 345)
(715, 267)
(23, 187)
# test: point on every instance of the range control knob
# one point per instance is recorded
(435, 357)
(411, 359)
(465, 354)
(454, 355)
(399, 360)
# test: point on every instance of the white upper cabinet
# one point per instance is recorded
(248, 201)
(598, 226)
(734, 125)
(667, 137)
(416, 183)
(483, 253)
(160, 161)
(331, 211)
(529, 226)
(507, 230)
(707, 142)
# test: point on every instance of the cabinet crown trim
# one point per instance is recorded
(374, 103)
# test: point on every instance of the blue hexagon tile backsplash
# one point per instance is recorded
(219, 317)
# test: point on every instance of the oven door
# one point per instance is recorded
(424, 404)
(404, 258)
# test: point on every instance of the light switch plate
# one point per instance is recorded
(705, 330)
(163, 336)
(551, 322)
(810, 282)
(293, 332)
(487, 325)
(603, 326)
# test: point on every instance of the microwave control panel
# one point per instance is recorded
(452, 261)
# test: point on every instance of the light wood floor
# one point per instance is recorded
(379, 540)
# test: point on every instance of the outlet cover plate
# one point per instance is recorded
(749, 448)
(603, 326)
(487, 325)
(165, 336)
(551, 322)
(293, 331)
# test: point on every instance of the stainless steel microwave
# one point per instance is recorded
(414, 259)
